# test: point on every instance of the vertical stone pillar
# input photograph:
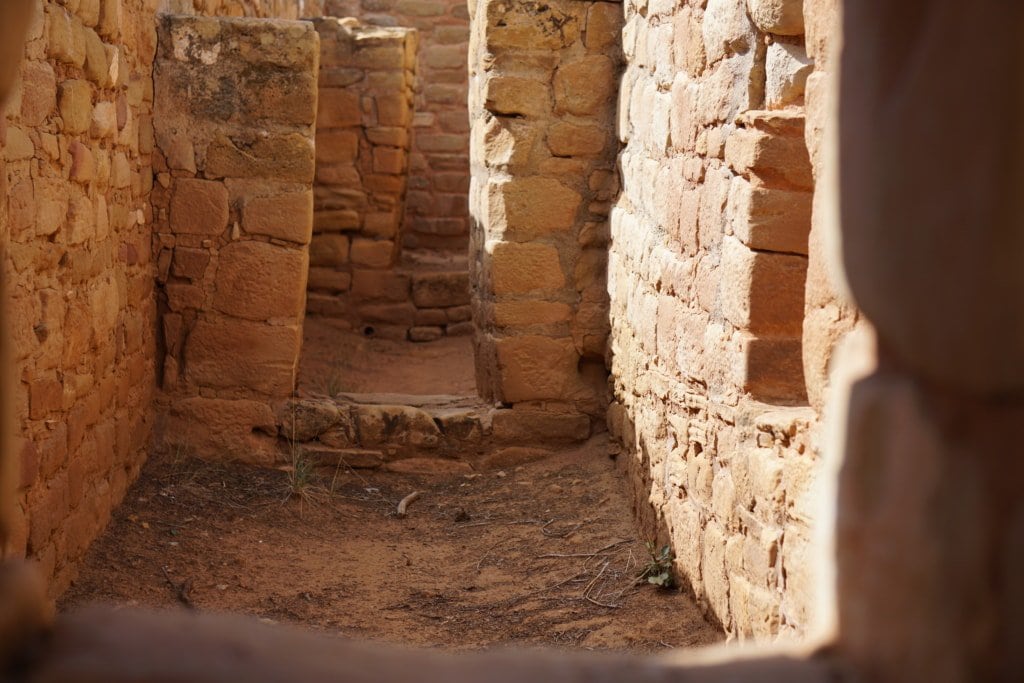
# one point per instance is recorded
(542, 87)
(235, 108)
(931, 517)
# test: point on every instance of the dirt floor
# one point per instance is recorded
(544, 554)
(335, 360)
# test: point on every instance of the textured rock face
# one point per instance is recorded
(543, 153)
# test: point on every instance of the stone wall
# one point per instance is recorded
(436, 219)
(707, 272)
(235, 110)
(362, 158)
(78, 142)
(542, 105)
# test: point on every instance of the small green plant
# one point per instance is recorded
(302, 479)
(658, 571)
(302, 473)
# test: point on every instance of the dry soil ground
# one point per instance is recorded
(543, 554)
(336, 359)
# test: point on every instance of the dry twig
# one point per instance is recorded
(403, 506)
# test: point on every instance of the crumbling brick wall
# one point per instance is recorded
(235, 112)
(543, 155)
(707, 275)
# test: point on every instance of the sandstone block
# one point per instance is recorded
(233, 354)
(110, 19)
(372, 253)
(338, 220)
(83, 166)
(97, 68)
(338, 108)
(440, 290)
(381, 224)
(727, 29)
(402, 425)
(260, 281)
(393, 110)
(329, 280)
(762, 292)
(39, 92)
(286, 157)
(425, 333)
(604, 25)
(535, 368)
(769, 220)
(66, 36)
(779, 160)
(336, 146)
(392, 136)
(515, 96)
(199, 207)
(285, 216)
(787, 67)
(519, 268)
(773, 369)
(431, 317)
(389, 160)
(75, 103)
(104, 120)
(529, 207)
(328, 250)
(190, 262)
(222, 429)
(549, 27)
(585, 87)
(382, 285)
(526, 313)
(306, 419)
(523, 424)
(782, 17)
(567, 139)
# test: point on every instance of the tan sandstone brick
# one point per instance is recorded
(276, 293)
(199, 207)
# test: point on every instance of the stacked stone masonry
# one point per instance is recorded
(707, 273)
(542, 107)
(364, 127)
(642, 202)
(78, 142)
(236, 103)
(436, 218)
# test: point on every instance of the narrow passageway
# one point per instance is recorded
(543, 553)
(336, 359)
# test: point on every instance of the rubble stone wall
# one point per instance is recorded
(542, 105)
(707, 273)
(236, 103)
